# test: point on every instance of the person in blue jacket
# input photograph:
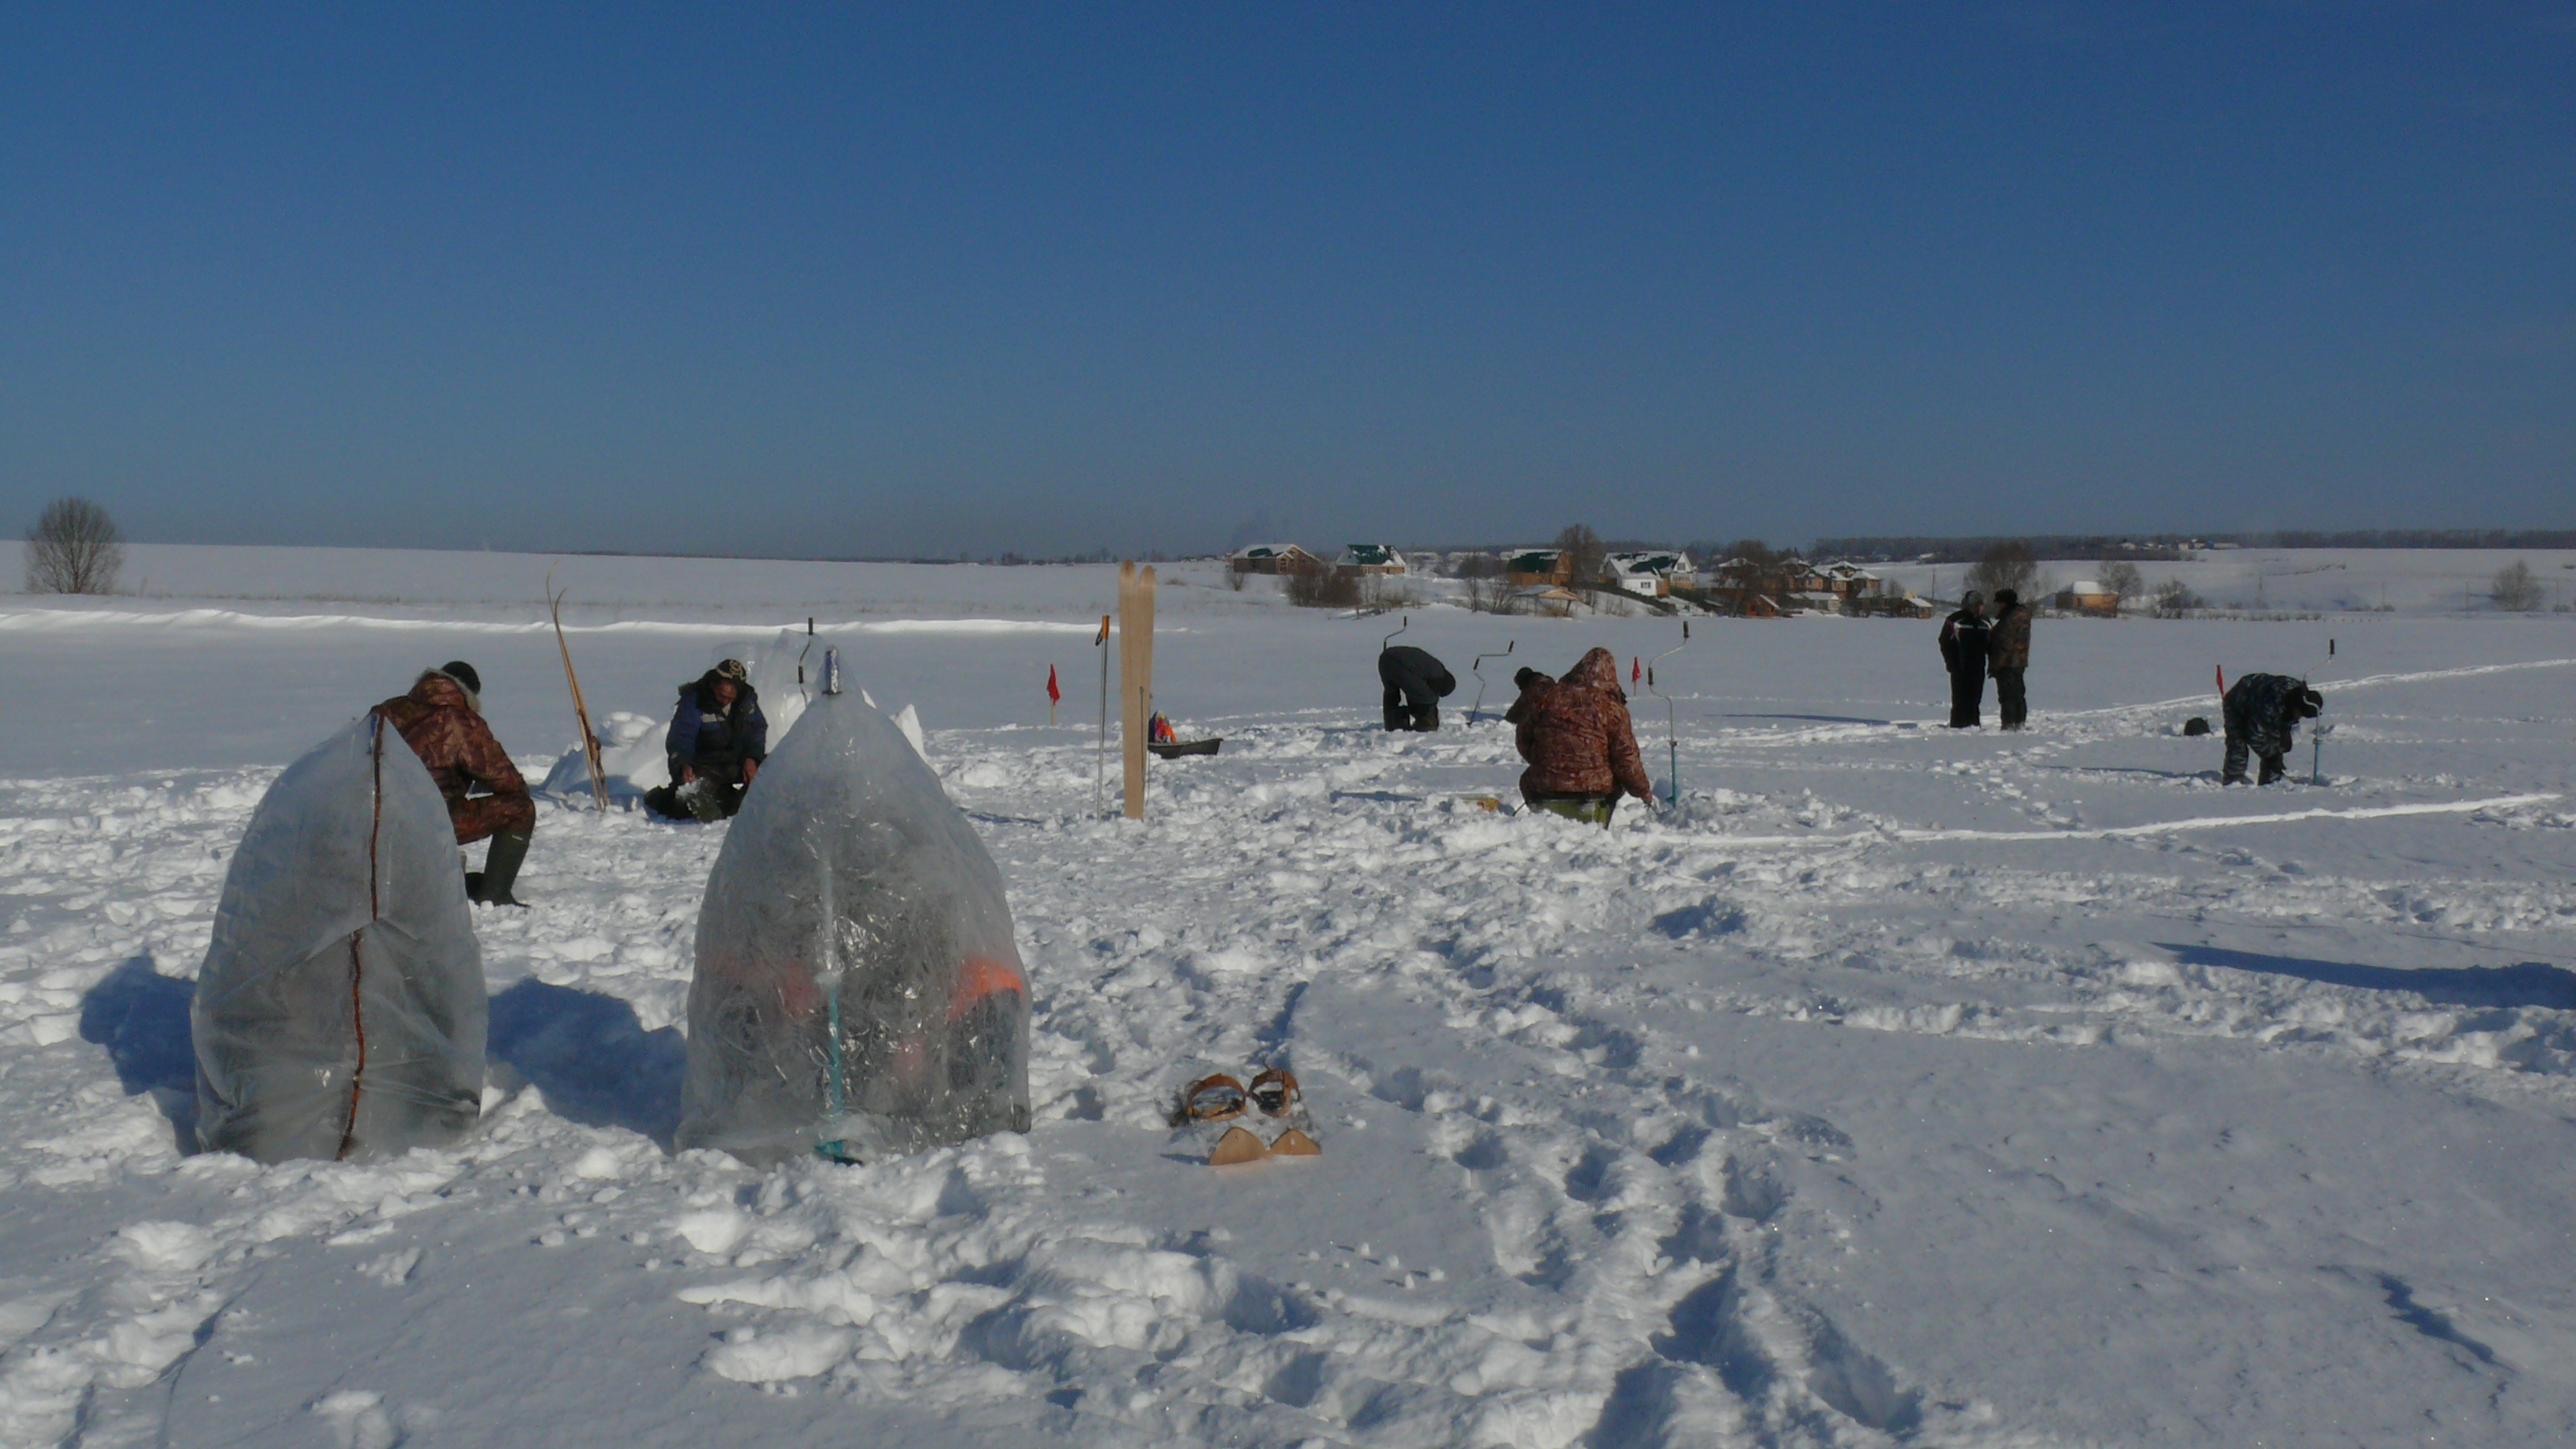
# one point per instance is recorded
(717, 741)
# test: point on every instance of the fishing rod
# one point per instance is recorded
(1478, 669)
(1672, 717)
(2317, 740)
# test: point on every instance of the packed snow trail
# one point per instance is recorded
(2161, 827)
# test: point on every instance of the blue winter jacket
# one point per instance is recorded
(702, 733)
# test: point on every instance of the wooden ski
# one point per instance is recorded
(580, 711)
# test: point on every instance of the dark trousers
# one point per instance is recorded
(2234, 773)
(1411, 709)
(1967, 697)
(2010, 702)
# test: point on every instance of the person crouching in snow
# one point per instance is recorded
(2263, 713)
(1414, 683)
(1575, 734)
(717, 740)
(442, 720)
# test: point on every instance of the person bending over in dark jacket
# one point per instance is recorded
(1963, 649)
(717, 740)
(1415, 684)
(442, 720)
(1575, 734)
(2263, 713)
(2008, 654)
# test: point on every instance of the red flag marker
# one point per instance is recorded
(1053, 693)
(1636, 670)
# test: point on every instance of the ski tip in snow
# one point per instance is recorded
(1237, 1146)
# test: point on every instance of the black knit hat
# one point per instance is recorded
(463, 673)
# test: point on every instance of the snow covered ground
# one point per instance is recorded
(1902, 1086)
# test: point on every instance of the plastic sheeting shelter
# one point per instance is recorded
(340, 1011)
(858, 990)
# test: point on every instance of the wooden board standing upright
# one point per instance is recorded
(1135, 674)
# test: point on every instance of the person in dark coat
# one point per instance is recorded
(2263, 713)
(1575, 733)
(717, 741)
(1964, 637)
(442, 720)
(1415, 684)
(2007, 655)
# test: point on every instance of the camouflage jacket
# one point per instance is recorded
(2008, 644)
(1575, 733)
(2262, 710)
(441, 727)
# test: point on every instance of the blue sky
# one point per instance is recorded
(919, 280)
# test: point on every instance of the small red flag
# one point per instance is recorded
(1636, 671)
(2222, 678)
(1053, 693)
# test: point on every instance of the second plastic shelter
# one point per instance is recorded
(858, 990)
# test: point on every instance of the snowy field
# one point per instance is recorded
(1900, 1086)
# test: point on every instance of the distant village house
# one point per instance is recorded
(1274, 558)
(1649, 574)
(2086, 596)
(1368, 558)
(1538, 568)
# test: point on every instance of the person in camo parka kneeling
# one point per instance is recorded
(2263, 713)
(1575, 734)
(442, 720)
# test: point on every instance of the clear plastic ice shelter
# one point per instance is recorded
(340, 1012)
(858, 990)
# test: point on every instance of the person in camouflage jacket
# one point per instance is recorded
(1575, 733)
(2263, 713)
(442, 720)
(2007, 655)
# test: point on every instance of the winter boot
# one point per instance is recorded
(491, 884)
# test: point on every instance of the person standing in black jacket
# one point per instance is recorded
(1963, 648)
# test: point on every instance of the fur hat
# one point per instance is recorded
(2007, 597)
(463, 673)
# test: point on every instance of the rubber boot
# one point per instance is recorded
(491, 884)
